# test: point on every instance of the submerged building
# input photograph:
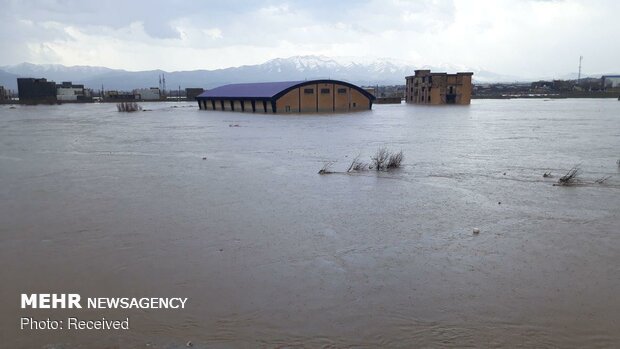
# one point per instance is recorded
(438, 88)
(610, 82)
(69, 92)
(36, 90)
(148, 94)
(311, 96)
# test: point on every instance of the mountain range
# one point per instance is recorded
(360, 71)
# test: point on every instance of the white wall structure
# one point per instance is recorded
(69, 93)
(148, 94)
(612, 81)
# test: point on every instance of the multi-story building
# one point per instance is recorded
(120, 96)
(192, 92)
(148, 94)
(610, 82)
(36, 90)
(438, 88)
(68, 92)
(3, 94)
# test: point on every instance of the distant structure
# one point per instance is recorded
(192, 92)
(68, 92)
(119, 96)
(162, 84)
(438, 88)
(312, 96)
(3, 94)
(579, 74)
(148, 94)
(373, 91)
(610, 82)
(33, 91)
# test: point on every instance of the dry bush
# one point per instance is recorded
(128, 107)
(380, 159)
(570, 177)
(326, 168)
(395, 159)
(357, 166)
(602, 179)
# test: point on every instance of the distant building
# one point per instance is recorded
(68, 92)
(371, 90)
(36, 90)
(3, 94)
(119, 96)
(148, 94)
(438, 88)
(610, 82)
(192, 92)
(312, 96)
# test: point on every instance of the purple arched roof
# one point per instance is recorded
(250, 90)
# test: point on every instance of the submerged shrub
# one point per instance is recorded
(357, 166)
(395, 159)
(570, 177)
(380, 159)
(326, 168)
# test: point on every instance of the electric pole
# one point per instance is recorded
(579, 75)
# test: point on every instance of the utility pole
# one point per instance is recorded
(579, 75)
(163, 81)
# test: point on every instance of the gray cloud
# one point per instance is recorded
(514, 37)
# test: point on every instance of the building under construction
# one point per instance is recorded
(438, 88)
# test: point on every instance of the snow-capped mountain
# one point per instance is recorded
(361, 71)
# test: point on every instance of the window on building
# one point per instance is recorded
(308, 91)
(429, 98)
(342, 90)
(287, 108)
(324, 91)
(354, 104)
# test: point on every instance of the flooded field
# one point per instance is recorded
(271, 254)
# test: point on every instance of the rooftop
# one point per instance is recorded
(254, 90)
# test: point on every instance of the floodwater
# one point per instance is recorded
(271, 254)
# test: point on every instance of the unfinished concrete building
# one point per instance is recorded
(438, 88)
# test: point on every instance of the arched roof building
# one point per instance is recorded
(311, 96)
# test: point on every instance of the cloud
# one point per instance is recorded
(525, 38)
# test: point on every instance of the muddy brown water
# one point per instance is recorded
(271, 254)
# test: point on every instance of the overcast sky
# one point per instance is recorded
(516, 37)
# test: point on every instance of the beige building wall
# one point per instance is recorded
(341, 99)
(436, 97)
(290, 100)
(325, 98)
(308, 99)
(247, 106)
(465, 89)
(237, 105)
(359, 101)
(258, 104)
